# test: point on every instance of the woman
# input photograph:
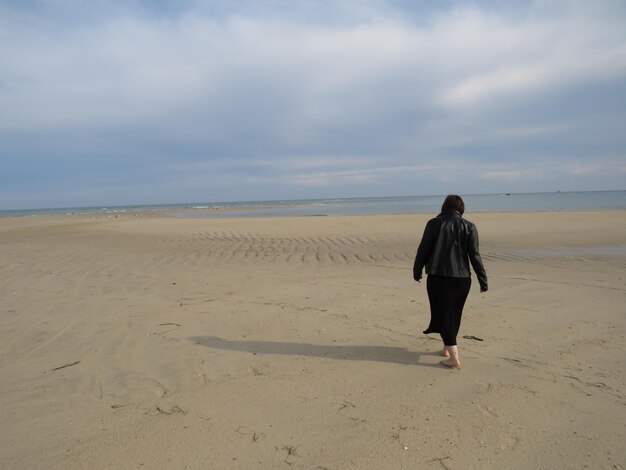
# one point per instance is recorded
(448, 246)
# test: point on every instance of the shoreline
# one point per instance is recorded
(500, 202)
(224, 212)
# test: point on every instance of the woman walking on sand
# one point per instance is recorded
(448, 246)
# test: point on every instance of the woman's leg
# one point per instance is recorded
(436, 300)
(455, 293)
(458, 289)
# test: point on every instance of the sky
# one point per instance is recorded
(112, 102)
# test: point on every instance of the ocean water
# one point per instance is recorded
(515, 202)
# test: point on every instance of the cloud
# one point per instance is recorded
(131, 69)
(494, 83)
(259, 95)
(362, 174)
(337, 179)
(596, 168)
(512, 175)
(513, 60)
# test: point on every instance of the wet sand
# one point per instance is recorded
(158, 342)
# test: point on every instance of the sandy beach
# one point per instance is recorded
(158, 342)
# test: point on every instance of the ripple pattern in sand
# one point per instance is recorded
(347, 249)
(229, 245)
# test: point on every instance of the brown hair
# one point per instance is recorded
(453, 203)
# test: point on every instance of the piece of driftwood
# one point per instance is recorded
(174, 409)
(473, 337)
(174, 325)
(69, 364)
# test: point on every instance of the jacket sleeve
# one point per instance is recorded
(475, 259)
(425, 249)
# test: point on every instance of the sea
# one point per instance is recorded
(503, 202)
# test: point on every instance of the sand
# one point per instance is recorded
(158, 342)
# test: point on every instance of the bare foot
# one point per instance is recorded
(445, 352)
(451, 363)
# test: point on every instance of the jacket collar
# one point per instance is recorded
(450, 214)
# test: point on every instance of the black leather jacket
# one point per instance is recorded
(449, 245)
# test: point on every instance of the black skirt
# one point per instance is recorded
(447, 297)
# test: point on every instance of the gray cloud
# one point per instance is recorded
(208, 101)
